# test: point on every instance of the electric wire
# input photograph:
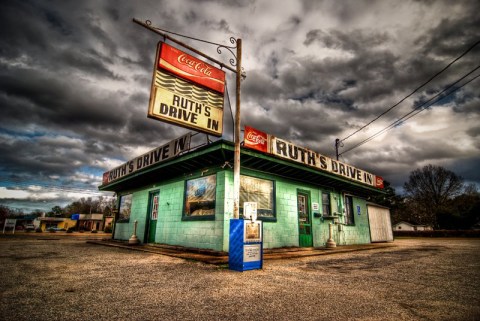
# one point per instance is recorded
(409, 95)
(418, 109)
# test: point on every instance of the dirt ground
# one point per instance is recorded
(68, 279)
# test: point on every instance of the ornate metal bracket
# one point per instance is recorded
(233, 61)
(233, 41)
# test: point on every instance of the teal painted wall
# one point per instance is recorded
(170, 228)
(214, 234)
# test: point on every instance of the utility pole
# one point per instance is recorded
(337, 142)
(236, 159)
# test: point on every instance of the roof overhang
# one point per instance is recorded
(220, 152)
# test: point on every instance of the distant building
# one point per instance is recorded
(45, 223)
(90, 222)
(406, 226)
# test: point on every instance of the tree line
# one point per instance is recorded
(432, 196)
(436, 197)
(88, 205)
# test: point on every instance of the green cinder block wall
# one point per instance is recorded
(214, 234)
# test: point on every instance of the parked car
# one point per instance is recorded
(55, 229)
(29, 227)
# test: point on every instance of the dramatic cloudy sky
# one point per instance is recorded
(75, 79)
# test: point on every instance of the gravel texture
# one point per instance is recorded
(68, 279)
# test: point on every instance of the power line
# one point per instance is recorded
(416, 89)
(418, 109)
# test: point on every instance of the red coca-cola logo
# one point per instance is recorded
(379, 182)
(256, 139)
(105, 177)
(190, 68)
(199, 66)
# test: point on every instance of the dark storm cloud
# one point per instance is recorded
(75, 79)
(354, 41)
(53, 102)
(452, 33)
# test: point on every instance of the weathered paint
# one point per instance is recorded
(213, 234)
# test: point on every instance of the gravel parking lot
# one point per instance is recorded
(68, 279)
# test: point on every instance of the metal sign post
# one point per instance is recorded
(236, 160)
(236, 62)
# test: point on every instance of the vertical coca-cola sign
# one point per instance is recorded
(256, 139)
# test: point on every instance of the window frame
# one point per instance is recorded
(120, 205)
(272, 218)
(349, 215)
(329, 204)
(209, 217)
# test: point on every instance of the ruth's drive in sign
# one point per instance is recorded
(270, 144)
(187, 91)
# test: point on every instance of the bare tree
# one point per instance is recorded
(430, 189)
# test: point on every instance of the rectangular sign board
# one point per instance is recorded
(148, 159)
(10, 223)
(187, 91)
(270, 144)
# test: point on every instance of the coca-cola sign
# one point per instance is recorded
(256, 139)
(379, 182)
(186, 91)
(191, 68)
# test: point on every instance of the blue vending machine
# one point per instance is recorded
(246, 246)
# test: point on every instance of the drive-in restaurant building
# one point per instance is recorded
(183, 195)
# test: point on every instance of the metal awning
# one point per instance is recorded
(221, 154)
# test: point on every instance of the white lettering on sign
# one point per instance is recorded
(155, 156)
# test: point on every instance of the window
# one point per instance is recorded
(125, 208)
(260, 191)
(326, 204)
(349, 210)
(200, 196)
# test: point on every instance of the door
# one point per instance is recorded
(380, 224)
(304, 219)
(152, 216)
